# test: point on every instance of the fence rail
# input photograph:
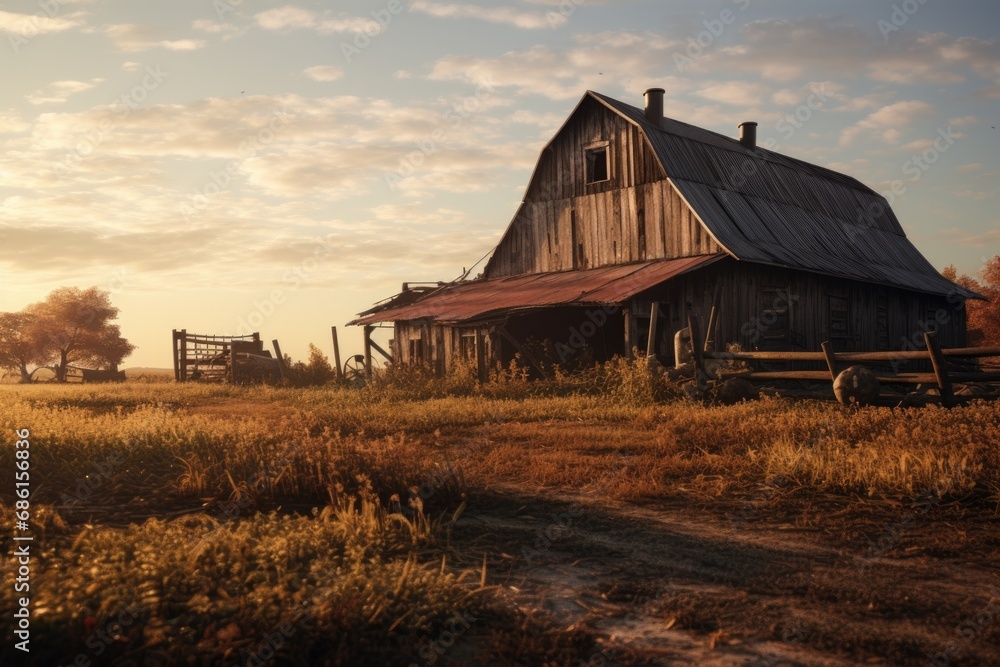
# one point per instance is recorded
(943, 376)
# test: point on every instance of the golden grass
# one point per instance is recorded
(385, 472)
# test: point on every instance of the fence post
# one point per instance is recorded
(654, 314)
(368, 352)
(940, 369)
(831, 359)
(336, 355)
(281, 359)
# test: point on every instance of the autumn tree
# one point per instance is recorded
(75, 326)
(983, 317)
(19, 345)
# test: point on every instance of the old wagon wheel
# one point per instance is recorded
(354, 370)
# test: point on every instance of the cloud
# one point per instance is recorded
(132, 37)
(787, 50)
(988, 238)
(506, 15)
(323, 72)
(29, 25)
(593, 62)
(296, 18)
(887, 122)
(54, 247)
(58, 92)
(227, 30)
(738, 93)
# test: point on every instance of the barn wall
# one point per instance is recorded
(440, 346)
(566, 223)
(754, 300)
(760, 307)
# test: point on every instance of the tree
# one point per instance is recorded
(19, 344)
(983, 317)
(76, 326)
(316, 371)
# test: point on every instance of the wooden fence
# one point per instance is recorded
(201, 357)
(950, 365)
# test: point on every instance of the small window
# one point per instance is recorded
(467, 344)
(597, 164)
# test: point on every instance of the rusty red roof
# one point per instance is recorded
(479, 299)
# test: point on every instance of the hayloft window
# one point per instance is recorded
(597, 162)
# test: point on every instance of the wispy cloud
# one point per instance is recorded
(58, 92)
(36, 24)
(508, 15)
(887, 123)
(132, 37)
(297, 18)
(323, 73)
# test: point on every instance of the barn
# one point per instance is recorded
(627, 208)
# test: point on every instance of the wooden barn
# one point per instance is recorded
(627, 208)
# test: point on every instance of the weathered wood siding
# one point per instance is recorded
(751, 297)
(566, 223)
(440, 346)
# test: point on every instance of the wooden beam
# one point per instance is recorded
(368, 352)
(482, 372)
(336, 354)
(710, 333)
(281, 359)
(855, 357)
(831, 359)
(654, 315)
(177, 366)
(713, 320)
(524, 353)
(940, 369)
(183, 355)
(378, 348)
(697, 351)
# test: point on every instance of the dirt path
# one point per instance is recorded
(672, 587)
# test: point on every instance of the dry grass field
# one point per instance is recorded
(423, 523)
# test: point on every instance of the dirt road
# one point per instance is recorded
(670, 586)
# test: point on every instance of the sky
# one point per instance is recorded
(225, 166)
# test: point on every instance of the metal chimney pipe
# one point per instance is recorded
(748, 134)
(654, 105)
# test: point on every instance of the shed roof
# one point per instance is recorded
(765, 207)
(483, 299)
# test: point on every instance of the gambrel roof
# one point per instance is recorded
(761, 206)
